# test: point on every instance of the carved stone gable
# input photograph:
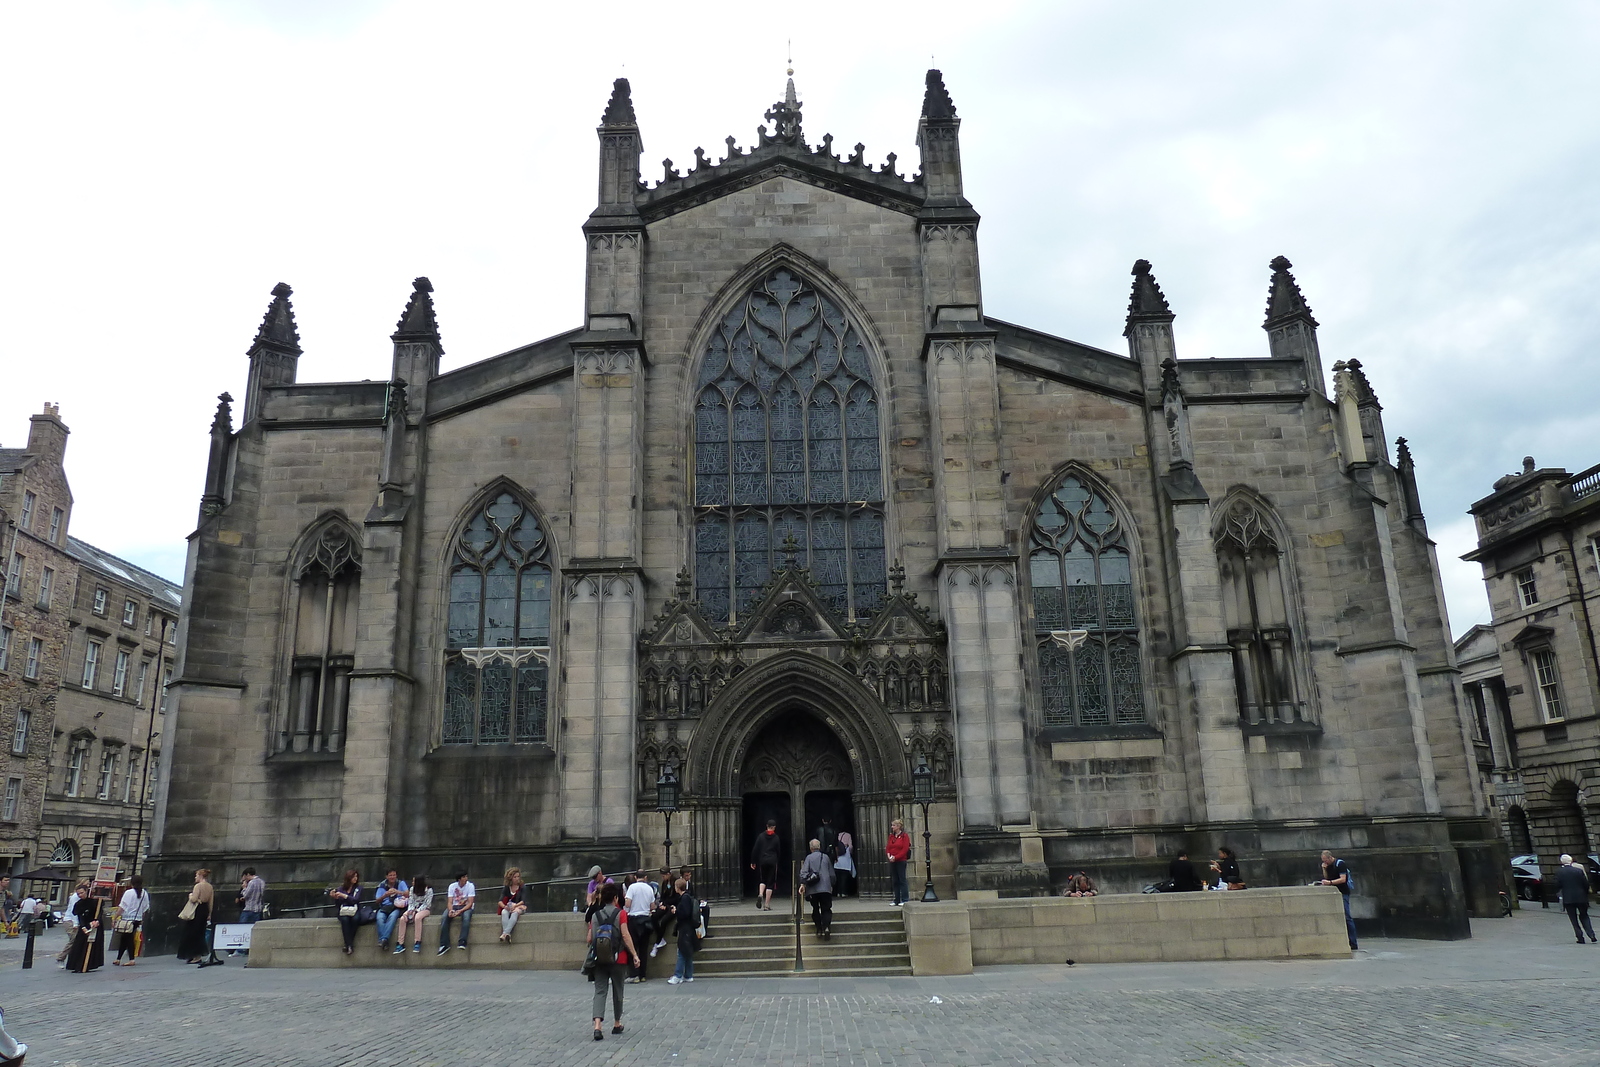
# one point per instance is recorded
(790, 609)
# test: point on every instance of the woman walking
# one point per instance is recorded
(511, 904)
(844, 868)
(687, 910)
(88, 951)
(348, 897)
(610, 923)
(419, 905)
(195, 915)
(816, 882)
(132, 909)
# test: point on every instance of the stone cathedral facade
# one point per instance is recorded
(788, 515)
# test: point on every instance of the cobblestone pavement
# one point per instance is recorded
(1519, 993)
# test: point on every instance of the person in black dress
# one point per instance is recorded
(192, 938)
(88, 952)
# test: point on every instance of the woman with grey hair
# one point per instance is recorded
(816, 882)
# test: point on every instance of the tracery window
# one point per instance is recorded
(787, 445)
(327, 592)
(497, 676)
(1080, 568)
(1255, 611)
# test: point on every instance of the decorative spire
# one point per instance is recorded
(897, 578)
(785, 119)
(1402, 453)
(223, 422)
(791, 550)
(1147, 301)
(936, 102)
(277, 325)
(1361, 387)
(417, 322)
(619, 111)
(684, 586)
(1284, 300)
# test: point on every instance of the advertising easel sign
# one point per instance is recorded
(105, 878)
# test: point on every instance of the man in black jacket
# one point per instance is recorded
(1574, 883)
(764, 859)
(1185, 879)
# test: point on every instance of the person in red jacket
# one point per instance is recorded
(898, 849)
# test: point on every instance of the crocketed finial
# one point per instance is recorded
(619, 110)
(1284, 300)
(277, 325)
(417, 322)
(1147, 300)
(936, 102)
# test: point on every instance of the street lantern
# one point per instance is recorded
(922, 790)
(667, 796)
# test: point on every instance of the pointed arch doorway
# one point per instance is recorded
(795, 773)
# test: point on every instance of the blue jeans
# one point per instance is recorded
(1350, 924)
(685, 967)
(248, 918)
(387, 917)
(444, 928)
(897, 871)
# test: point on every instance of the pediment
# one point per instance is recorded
(789, 610)
(681, 624)
(820, 169)
(1533, 634)
(901, 618)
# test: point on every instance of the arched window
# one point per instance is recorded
(1255, 611)
(327, 589)
(497, 675)
(65, 854)
(1517, 824)
(1080, 567)
(786, 445)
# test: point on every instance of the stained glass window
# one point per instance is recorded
(497, 650)
(1080, 568)
(786, 445)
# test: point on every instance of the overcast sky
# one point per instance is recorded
(1430, 168)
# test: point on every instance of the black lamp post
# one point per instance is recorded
(922, 782)
(667, 790)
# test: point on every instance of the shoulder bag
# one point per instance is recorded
(188, 911)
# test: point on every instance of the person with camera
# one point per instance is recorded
(348, 896)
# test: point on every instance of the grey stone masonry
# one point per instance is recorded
(787, 527)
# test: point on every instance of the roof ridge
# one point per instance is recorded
(175, 587)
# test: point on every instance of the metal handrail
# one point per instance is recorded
(794, 879)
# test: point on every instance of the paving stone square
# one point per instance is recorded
(1518, 993)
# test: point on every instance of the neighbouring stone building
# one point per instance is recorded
(1534, 671)
(87, 640)
(788, 516)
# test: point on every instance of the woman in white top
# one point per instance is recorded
(418, 904)
(135, 905)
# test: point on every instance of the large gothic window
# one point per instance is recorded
(1088, 639)
(497, 676)
(1255, 611)
(786, 445)
(327, 591)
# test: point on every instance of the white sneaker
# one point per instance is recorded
(688, 979)
(674, 980)
(654, 950)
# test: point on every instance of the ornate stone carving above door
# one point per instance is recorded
(795, 753)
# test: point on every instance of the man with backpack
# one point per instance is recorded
(1336, 872)
(610, 951)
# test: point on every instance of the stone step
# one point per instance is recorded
(819, 948)
(759, 970)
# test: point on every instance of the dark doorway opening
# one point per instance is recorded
(758, 808)
(835, 805)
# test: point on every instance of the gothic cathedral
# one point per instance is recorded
(789, 527)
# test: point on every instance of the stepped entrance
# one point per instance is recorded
(795, 772)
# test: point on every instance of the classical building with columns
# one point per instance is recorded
(788, 517)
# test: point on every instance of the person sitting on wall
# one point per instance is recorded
(1226, 866)
(1182, 875)
(1079, 885)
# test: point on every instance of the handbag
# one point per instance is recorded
(347, 911)
(124, 926)
(188, 911)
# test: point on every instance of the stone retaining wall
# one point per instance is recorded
(1296, 922)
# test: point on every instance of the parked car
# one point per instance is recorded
(1528, 877)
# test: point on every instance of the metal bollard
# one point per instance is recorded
(27, 950)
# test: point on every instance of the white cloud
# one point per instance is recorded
(1429, 168)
